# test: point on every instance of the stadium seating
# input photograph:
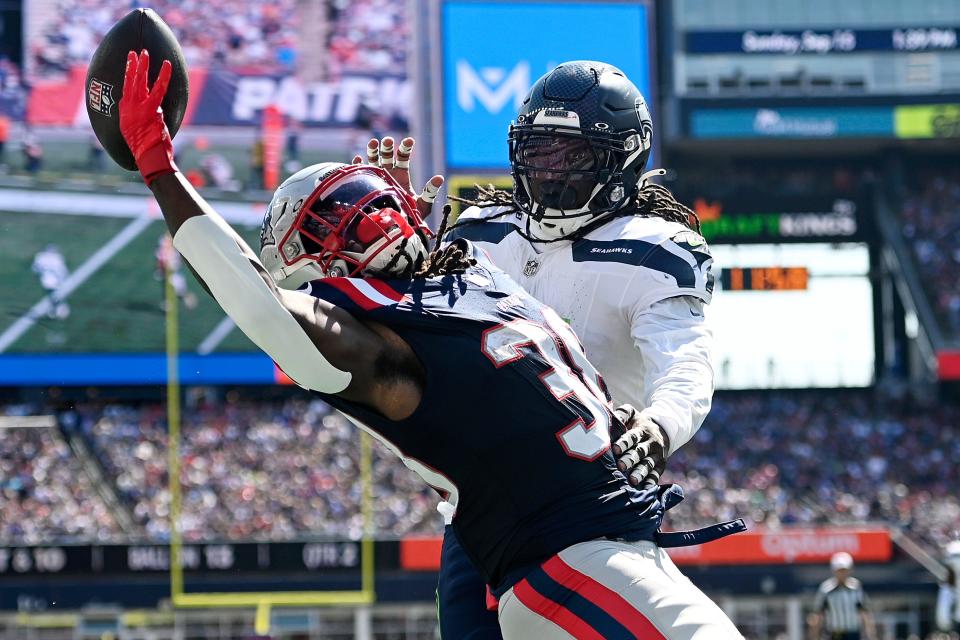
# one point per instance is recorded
(362, 35)
(931, 228)
(289, 469)
(44, 493)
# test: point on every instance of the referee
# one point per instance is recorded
(841, 606)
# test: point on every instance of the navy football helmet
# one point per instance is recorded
(578, 147)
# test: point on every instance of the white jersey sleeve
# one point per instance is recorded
(664, 302)
(677, 374)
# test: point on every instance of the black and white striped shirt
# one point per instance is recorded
(841, 604)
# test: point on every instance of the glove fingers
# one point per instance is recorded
(431, 189)
(629, 460)
(642, 471)
(143, 70)
(625, 413)
(373, 152)
(652, 479)
(161, 85)
(129, 75)
(404, 151)
(629, 440)
(387, 153)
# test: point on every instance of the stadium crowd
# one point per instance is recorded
(45, 494)
(816, 458)
(289, 469)
(367, 35)
(236, 33)
(932, 228)
(362, 35)
(256, 471)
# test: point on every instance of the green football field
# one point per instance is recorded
(119, 308)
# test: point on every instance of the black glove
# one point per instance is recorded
(641, 450)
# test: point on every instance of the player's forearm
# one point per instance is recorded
(178, 200)
(241, 286)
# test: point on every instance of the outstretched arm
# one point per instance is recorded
(320, 346)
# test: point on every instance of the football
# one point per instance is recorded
(140, 29)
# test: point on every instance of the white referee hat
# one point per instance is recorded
(841, 560)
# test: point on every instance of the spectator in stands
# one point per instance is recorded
(239, 33)
(841, 607)
(45, 495)
(932, 228)
(283, 469)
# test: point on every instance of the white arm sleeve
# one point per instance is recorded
(677, 383)
(215, 252)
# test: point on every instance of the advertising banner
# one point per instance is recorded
(792, 122)
(493, 52)
(801, 546)
(222, 97)
(927, 121)
(746, 220)
(238, 99)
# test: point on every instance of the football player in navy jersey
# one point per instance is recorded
(345, 297)
(617, 257)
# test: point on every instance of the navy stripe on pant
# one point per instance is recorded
(462, 596)
(601, 621)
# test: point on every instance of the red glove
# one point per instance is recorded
(141, 119)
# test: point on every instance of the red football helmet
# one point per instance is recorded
(335, 219)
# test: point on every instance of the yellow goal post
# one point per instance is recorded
(261, 601)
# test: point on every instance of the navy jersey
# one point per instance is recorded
(514, 423)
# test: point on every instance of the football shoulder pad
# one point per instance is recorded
(666, 259)
(484, 224)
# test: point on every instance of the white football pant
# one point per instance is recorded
(609, 590)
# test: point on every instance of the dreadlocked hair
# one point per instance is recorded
(656, 200)
(652, 200)
(446, 261)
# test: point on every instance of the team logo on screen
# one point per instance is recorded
(100, 96)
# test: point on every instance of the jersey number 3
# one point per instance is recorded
(570, 375)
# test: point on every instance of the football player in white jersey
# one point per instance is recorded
(617, 256)
(948, 598)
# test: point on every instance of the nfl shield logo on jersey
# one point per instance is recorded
(530, 269)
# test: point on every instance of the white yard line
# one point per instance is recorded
(74, 280)
(114, 205)
(215, 337)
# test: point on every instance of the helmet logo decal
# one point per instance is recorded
(603, 126)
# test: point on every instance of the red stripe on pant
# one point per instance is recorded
(555, 613)
(604, 597)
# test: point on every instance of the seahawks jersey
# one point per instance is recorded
(633, 290)
(513, 425)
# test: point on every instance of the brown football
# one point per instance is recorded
(140, 29)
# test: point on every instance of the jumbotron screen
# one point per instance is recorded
(792, 316)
